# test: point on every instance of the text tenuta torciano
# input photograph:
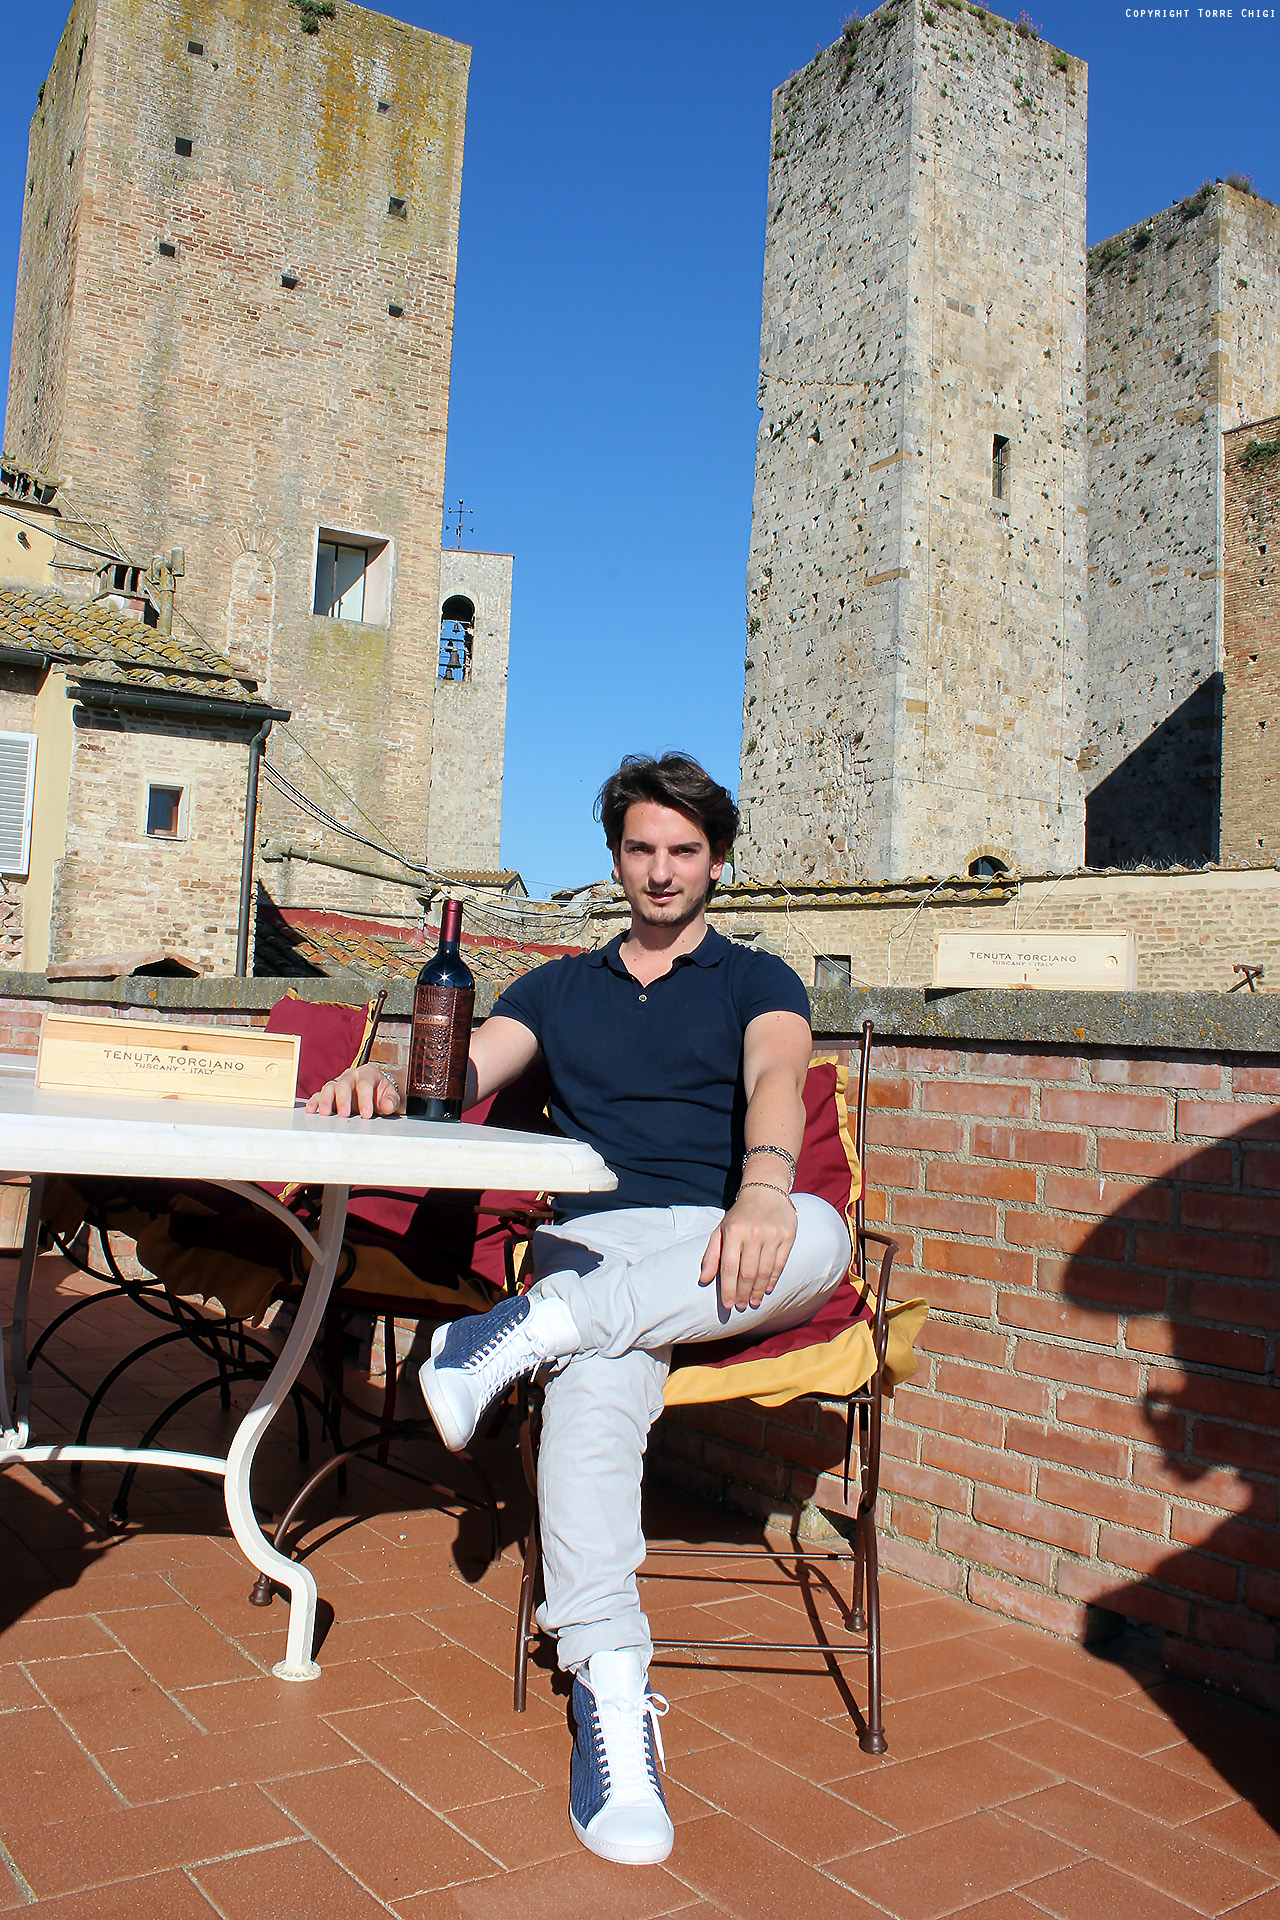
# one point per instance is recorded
(172, 1062)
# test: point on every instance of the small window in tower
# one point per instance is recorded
(289, 280)
(457, 634)
(353, 577)
(182, 148)
(164, 813)
(987, 866)
(384, 106)
(196, 47)
(395, 309)
(832, 971)
(398, 209)
(999, 468)
(168, 251)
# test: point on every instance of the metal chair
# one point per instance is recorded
(852, 1350)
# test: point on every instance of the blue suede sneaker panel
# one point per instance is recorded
(587, 1784)
(470, 1336)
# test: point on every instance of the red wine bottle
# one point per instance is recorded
(442, 1006)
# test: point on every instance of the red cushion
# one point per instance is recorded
(824, 1164)
(838, 1311)
(332, 1037)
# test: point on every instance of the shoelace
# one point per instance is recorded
(632, 1778)
(500, 1360)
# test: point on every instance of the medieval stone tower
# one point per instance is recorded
(915, 596)
(232, 335)
(1184, 348)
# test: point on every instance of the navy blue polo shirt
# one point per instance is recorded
(651, 1076)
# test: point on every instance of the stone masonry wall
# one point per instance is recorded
(118, 888)
(200, 402)
(915, 647)
(1251, 650)
(1182, 344)
(1094, 1430)
(1191, 928)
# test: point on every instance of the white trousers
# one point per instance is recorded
(630, 1279)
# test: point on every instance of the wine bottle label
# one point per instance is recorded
(438, 1042)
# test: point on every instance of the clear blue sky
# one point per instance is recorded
(603, 410)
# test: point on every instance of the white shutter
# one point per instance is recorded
(17, 786)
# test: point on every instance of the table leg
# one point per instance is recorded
(297, 1663)
(16, 1428)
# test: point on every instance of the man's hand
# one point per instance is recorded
(363, 1091)
(749, 1248)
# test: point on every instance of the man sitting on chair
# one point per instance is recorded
(681, 1058)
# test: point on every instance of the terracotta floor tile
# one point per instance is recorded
(1010, 1906)
(1195, 1710)
(1265, 1907)
(373, 1639)
(407, 1593)
(177, 1646)
(924, 1622)
(948, 1719)
(46, 1639)
(467, 1690)
(16, 1691)
(792, 1739)
(262, 1701)
(486, 1629)
(575, 1886)
(387, 1839)
(522, 1829)
(543, 1752)
(58, 1775)
(740, 1871)
(166, 1896)
(1098, 1670)
(1138, 1729)
(198, 1761)
(969, 1860)
(437, 1762)
(1243, 1756)
(94, 1850)
(939, 1787)
(1244, 1831)
(295, 1880)
(912, 1671)
(1093, 1891)
(1152, 1789)
(109, 1701)
(1163, 1857)
(781, 1805)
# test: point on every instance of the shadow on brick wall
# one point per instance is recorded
(1209, 1583)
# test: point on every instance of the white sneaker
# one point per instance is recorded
(476, 1359)
(616, 1803)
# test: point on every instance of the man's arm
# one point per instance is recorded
(749, 1248)
(500, 1051)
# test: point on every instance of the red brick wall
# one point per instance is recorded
(1095, 1422)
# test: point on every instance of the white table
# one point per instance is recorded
(232, 1147)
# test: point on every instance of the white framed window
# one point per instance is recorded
(352, 577)
(166, 811)
(17, 792)
(832, 971)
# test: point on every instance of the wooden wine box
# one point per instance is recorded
(166, 1061)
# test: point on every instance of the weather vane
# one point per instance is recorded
(461, 509)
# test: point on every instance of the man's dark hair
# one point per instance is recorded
(675, 780)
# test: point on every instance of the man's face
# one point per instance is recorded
(665, 863)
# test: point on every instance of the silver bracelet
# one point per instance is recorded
(780, 1151)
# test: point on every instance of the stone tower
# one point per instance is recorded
(915, 594)
(232, 335)
(1183, 349)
